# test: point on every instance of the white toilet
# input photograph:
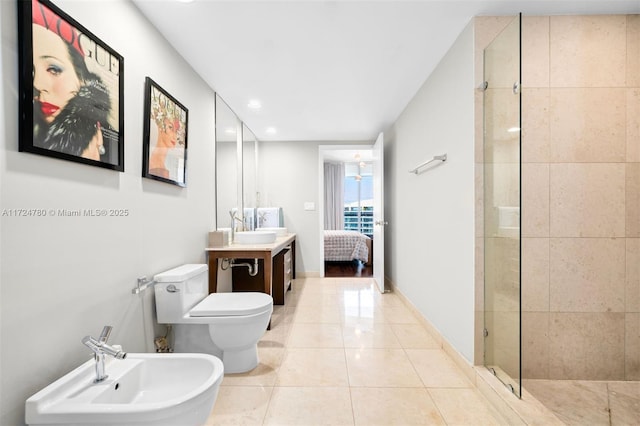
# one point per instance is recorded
(227, 325)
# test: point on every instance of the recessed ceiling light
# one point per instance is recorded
(271, 130)
(230, 131)
(254, 104)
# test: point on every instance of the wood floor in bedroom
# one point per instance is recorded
(347, 269)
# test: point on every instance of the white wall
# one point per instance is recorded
(430, 237)
(288, 177)
(65, 277)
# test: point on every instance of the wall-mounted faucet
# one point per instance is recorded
(100, 349)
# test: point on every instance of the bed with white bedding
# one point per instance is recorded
(344, 246)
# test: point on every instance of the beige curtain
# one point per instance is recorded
(333, 196)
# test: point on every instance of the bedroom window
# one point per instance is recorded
(358, 198)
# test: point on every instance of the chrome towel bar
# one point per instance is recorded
(442, 158)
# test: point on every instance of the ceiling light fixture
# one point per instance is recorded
(271, 130)
(254, 104)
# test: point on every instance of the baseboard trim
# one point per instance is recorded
(308, 274)
(459, 360)
(525, 411)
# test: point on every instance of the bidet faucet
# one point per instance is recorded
(100, 349)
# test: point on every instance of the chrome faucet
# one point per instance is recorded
(100, 349)
(235, 218)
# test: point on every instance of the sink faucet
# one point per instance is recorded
(100, 349)
(235, 218)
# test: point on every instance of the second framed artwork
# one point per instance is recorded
(164, 156)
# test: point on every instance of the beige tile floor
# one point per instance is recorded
(341, 353)
(592, 403)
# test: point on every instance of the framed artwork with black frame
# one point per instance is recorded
(164, 155)
(71, 89)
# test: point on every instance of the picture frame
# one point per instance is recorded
(71, 89)
(166, 123)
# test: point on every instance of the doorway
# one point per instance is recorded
(350, 227)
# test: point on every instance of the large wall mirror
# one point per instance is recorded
(228, 163)
(249, 168)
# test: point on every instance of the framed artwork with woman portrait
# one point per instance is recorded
(164, 154)
(71, 89)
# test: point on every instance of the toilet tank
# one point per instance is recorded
(178, 290)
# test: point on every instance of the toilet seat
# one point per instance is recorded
(232, 304)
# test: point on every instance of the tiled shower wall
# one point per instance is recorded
(581, 197)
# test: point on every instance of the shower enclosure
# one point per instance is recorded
(502, 206)
(562, 279)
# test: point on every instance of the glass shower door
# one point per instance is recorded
(502, 206)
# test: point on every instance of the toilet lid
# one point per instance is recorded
(232, 304)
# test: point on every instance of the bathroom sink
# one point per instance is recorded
(254, 237)
(280, 232)
(153, 389)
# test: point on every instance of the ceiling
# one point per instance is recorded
(328, 70)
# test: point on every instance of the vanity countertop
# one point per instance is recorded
(266, 252)
(276, 246)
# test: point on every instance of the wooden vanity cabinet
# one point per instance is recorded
(281, 276)
(276, 267)
(280, 284)
(242, 281)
